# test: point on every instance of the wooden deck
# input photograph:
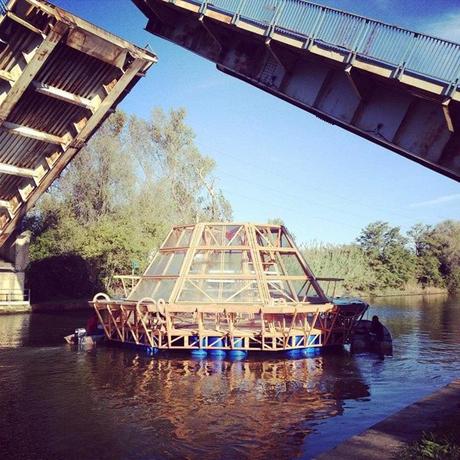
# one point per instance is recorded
(255, 328)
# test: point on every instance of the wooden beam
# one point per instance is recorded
(4, 204)
(4, 75)
(24, 23)
(31, 133)
(32, 68)
(16, 171)
(25, 189)
(62, 95)
(109, 101)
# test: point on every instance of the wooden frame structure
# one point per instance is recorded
(221, 286)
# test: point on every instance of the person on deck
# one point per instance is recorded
(376, 330)
(91, 325)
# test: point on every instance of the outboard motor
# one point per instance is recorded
(79, 335)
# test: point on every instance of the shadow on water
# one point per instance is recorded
(116, 403)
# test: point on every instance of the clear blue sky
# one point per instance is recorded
(275, 160)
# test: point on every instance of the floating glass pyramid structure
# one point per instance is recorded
(220, 286)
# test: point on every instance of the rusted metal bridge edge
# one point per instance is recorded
(395, 87)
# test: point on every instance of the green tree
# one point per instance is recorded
(426, 247)
(118, 198)
(447, 238)
(387, 253)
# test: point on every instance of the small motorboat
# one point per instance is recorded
(363, 339)
(81, 338)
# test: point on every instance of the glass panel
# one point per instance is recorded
(284, 241)
(186, 237)
(247, 292)
(176, 263)
(292, 265)
(279, 289)
(219, 291)
(224, 235)
(270, 263)
(222, 262)
(173, 238)
(235, 235)
(143, 289)
(158, 265)
(156, 289)
(180, 237)
(276, 263)
(267, 236)
(164, 290)
(212, 236)
(190, 293)
(168, 263)
(305, 291)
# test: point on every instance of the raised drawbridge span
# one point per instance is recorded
(394, 87)
(60, 78)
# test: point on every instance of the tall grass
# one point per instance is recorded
(340, 261)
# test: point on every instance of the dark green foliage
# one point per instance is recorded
(61, 277)
(387, 254)
(427, 255)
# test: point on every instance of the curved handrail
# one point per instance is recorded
(101, 296)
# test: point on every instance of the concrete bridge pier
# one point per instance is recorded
(14, 258)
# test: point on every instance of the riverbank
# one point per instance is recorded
(387, 439)
(61, 305)
(56, 306)
(409, 291)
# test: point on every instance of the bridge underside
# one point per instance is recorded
(416, 117)
(60, 78)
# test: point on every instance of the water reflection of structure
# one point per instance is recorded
(13, 328)
(229, 287)
(251, 408)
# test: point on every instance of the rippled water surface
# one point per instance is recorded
(112, 403)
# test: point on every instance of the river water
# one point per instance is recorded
(112, 403)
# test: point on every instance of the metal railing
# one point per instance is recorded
(14, 295)
(402, 49)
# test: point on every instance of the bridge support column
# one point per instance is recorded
(14, 258)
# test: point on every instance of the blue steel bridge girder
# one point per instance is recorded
(394, 87)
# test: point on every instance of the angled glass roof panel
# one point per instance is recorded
(166, 264)
(229, 263)
(153, 288)
(223, 235)
(179, 237)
